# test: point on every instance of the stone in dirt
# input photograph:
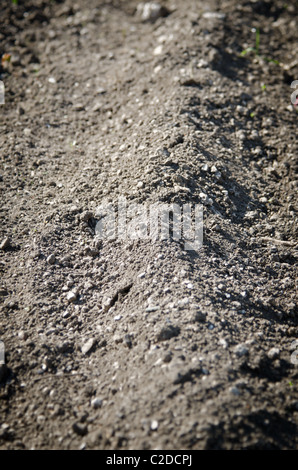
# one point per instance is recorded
(168, 332)
(88, 346)
(5, 243)
(150, 11)
(80, 429)
(96, 403)
(71, 297)
(51, 259)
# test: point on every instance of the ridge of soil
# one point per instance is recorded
(136, 343)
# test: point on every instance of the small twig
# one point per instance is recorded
(277, 242)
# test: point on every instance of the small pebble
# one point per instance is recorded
(157, 50)
(80, 429)
(86, 215)
(5, 243)
(223, 343)
(235, 391)
(214, 15)
(168, 332)
(71, 297)
(273, 353)
(23, 334)
(128, 341)
(199, 316)
(150, 11)
(152, 308)
(87, 347)
(241, 350)
(96, 403)
(168, 357)
(27, 132)
(40, 419)
(51, 259)
(154, 425)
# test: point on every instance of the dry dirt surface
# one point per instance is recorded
(133, 342)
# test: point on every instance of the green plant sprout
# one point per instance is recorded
(256, 49)
(257, 45)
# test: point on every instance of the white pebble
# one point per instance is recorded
(88, 346)
(96, 402)
(241, 350)
(273, 353)
(157, 50)
(154, 425)
(71, 296)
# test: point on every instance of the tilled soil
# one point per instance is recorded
(138, 343)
